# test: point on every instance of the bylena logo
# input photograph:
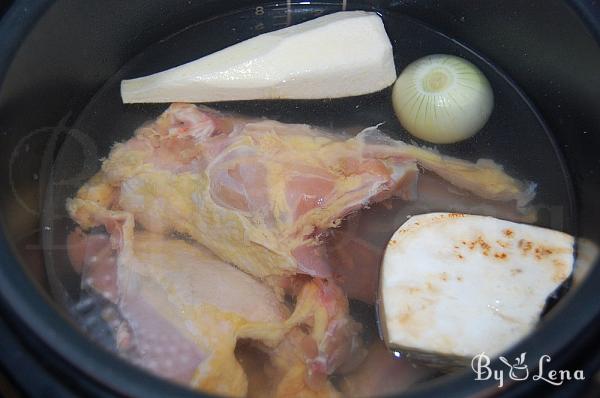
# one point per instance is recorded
(518, 370)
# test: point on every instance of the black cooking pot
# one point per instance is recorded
(55, 56)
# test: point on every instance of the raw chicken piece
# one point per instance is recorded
(183, 306)
(180, 299)
(259, 193)
(333, 342)
(302, 361)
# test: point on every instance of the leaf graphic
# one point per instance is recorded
(505, 361)
(521, 359)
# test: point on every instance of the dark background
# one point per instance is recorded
(4, 4)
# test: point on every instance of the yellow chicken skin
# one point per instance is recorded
(259, 193)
